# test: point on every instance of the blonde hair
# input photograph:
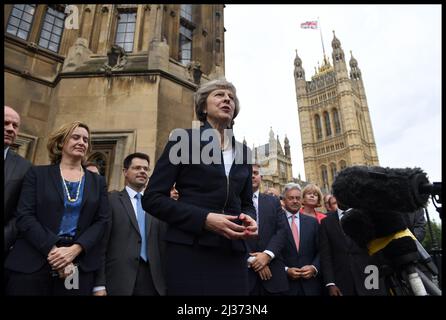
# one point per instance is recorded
(312, 188)
(58, 138)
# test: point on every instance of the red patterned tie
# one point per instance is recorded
(294, 231)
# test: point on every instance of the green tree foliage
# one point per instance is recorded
(427, 243)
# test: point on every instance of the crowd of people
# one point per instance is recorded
(191, 229)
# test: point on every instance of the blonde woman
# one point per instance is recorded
(311, 199)
(61, 217)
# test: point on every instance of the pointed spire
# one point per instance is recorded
(355, 72)
(287, 146)
(244, 141)
(299, 72)
(271, 133)
(297, 60)
(335, 43)
(338, 53)
(353, 61)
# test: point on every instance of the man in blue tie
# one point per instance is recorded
(133, 239)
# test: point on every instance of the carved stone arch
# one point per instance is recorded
(102, 160)
(342, 164)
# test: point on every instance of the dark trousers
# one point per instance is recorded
(144, 282)
(195, 270)
(42, 283)
(259, 290)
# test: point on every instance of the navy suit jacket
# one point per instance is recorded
(15, 170)
(272, 237)
(308, 255)
(39, 214)
(123, 246)
(203, 188)
(343, 262)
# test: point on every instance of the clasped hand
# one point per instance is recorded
(223, 224)
(61, 257)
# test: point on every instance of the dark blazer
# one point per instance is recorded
(15, 169)
(272, 237)
(209, 263)
(308, 255)
(343, 262)
(203, 188)
(123, 246)
(39, 214)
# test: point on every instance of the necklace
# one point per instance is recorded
(66, 188)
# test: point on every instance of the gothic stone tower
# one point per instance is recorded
(275, 162)
(129, 71)
(334, 118)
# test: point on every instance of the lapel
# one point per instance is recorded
(148, 224)
(261, 203)
(88, 188)
(57, 180)
(339, 231)
(303, 231)
(126, 202)
(10, 164)
(237, 147)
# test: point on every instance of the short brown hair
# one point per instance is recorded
(58, 138)
(312, 188)
(203, 92)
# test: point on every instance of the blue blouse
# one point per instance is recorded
(72, 210)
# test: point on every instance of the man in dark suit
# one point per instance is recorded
(133, 239)
(15, 169)
(342, 261)
(266, 276)
(301, 250)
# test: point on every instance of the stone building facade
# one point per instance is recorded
(275, 163)
(128, 71)
(335, 125)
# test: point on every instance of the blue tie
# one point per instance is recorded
(141, 216)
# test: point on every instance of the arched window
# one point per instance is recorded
(361, 128)
(342, 164)
(186, 33)
(337, 124)
(327, 124)
(318, 126)
(125, 32)
(100, 159)
(333, 171)
(324, 175)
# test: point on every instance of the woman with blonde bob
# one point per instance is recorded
(61, 217)
(311, 199)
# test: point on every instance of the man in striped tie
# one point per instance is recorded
(301, 251)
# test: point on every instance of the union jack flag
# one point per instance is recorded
(309, 25)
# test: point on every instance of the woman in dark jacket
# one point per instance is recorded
(61, 217)
(206, 251)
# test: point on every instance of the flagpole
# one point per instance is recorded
(320, 30)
